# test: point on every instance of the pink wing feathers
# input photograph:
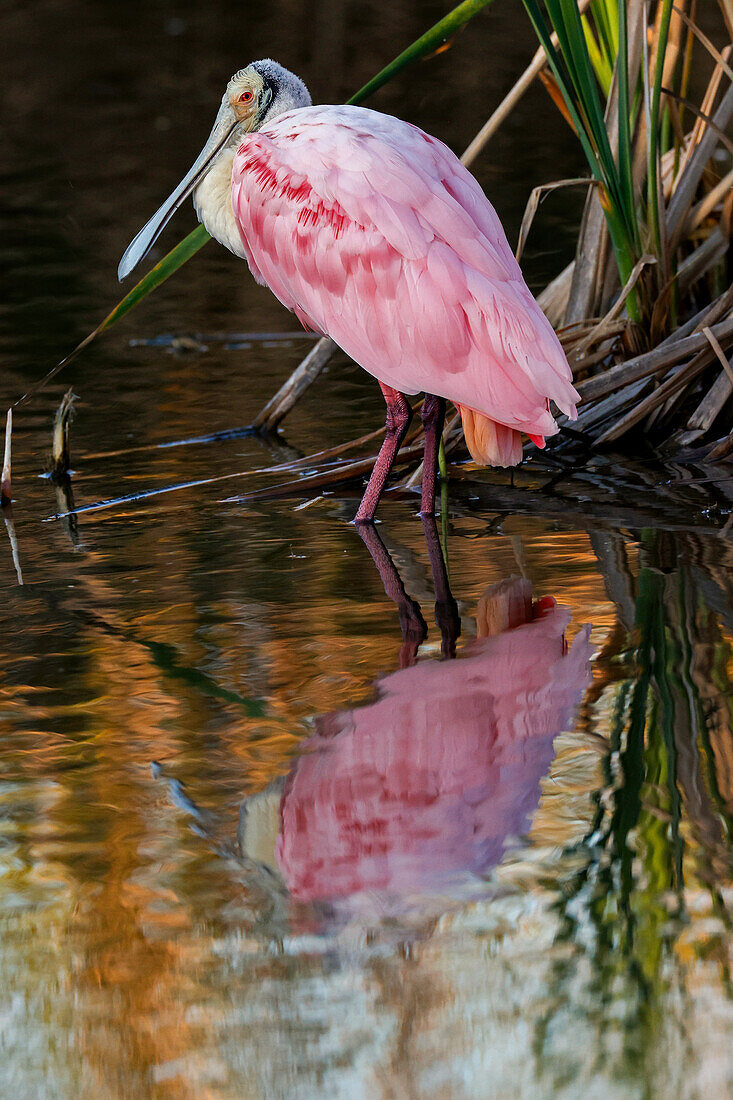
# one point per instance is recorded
(376, 235)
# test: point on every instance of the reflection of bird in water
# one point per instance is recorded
(418, 791)
(375, 234)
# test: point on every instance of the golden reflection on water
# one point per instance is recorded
(149, 949)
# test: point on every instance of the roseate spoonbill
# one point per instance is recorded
(375, 234)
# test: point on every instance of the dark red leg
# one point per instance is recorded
(399, 415)
(433, 418)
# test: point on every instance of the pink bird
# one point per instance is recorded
(373, 233)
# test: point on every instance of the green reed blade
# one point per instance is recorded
(575, 74)
(626, 180)
(655, 125)
(564, 84)
(599, 58)
(157, 275)
(427, 43)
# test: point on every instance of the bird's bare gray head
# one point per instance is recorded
(253, 97)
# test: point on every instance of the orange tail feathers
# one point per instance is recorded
(490, 443)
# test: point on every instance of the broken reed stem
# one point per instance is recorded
(651, 362)
(6, 493)
(60, 457)
(677, 380)
(512, 98)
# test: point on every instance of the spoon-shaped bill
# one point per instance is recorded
(139, 247)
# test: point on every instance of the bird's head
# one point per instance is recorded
(253, 97)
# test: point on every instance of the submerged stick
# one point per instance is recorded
(6, 494)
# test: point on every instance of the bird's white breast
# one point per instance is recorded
(212, 200)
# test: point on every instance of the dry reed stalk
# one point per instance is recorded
(709, 408)
(722, 449)
(293, 389)
(726, 6)
(675, 382)
(652, 362)
(702, 259)
(581, 365)
(13, 538)
(706, 206)
(598, 412)
(602, 328)
(718, 351)
(532, 207)
(689, 176)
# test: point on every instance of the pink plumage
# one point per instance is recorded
(375, 234)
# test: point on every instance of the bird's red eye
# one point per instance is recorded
(246, 97)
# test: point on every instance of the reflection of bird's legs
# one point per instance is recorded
(433, 418)
(412, 623)
(447, 618)
(399, 415)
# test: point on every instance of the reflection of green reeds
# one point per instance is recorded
(664, 829)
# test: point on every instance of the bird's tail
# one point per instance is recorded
(491, 443)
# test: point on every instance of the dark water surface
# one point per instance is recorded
(250, 845)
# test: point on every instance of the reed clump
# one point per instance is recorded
(645, 309)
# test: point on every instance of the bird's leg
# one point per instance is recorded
(399, 415)
(433, 418)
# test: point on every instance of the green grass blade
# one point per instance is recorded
(598, 57)
(427, 43)
(625, 164)
(565, 85)
(654, 126)
(606, 21)
(157, 275)
(576, 79)
(587, 85)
